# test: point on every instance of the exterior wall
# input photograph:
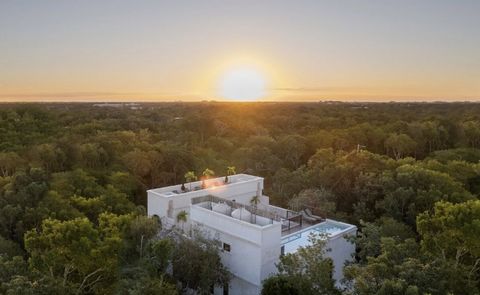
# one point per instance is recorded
(254, 249)
(271, 250)
(242, 188)
(156, 205)
(341, 251)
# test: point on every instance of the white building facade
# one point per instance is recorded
(252, 233)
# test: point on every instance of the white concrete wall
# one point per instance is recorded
(254, 249)
(270, 251)
(242, 188)
(156, 205)
(341, 251)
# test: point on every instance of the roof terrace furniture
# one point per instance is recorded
(307, 217)
(310, 214)
(270, 215)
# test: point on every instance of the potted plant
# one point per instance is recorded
(207, 173)
(189, 177)
(254, 201)
(230, 171)
(182, 218)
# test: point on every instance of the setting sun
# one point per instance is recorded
(243, 84)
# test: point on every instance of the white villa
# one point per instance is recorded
(253, 234)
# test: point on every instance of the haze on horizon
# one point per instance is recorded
(143, 50)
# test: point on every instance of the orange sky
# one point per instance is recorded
(305, 50)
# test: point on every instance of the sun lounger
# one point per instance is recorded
(306, 217)
(310, 214)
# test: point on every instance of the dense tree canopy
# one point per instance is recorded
(74, 176)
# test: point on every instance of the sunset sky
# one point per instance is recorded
(284, 50)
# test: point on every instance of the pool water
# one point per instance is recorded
(300, 239)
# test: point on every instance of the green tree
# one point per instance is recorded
(9, 163)
(182, 217)
(400, 145)
(284, 285)
(403, 268)
(411, 190)
(451, 233)
(197, 264)
(140, 232)
(230, 171)
(308, 270)
(76, 252)
(207, 173)
(189, 177)
(321, 201)
(151, 286)
(369, 238)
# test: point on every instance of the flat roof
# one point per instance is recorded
(173, 190)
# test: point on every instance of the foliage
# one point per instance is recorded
(82, 255)
(197, 264)
(207, 173)
(285, 285)
(451, 233)
(306, 271)
(75, 175)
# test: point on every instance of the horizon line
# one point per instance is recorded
(235, 101)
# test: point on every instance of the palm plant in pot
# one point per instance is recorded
(189, 177)
(182, 218)
(230, 171)
(207, 173)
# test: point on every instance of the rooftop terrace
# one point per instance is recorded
(259, 214)
(207, 184)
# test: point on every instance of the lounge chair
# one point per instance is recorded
(306, 217)
(310, 214)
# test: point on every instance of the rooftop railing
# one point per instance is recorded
(235, 205)
(289, 219)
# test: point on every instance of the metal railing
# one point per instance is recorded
(234, 205)
(289, 219)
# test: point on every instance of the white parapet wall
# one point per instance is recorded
(254, 249)
(338, 245)
(167, 202)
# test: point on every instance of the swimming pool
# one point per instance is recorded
(328, 228)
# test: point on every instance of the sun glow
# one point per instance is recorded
(243, 84)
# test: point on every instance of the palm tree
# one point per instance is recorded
(255, 200)
(230, 171)
(182, 217)
(206, 175)
(189, 177)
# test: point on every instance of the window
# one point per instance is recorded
(226, 247)
(282, 250)
(225, 289)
